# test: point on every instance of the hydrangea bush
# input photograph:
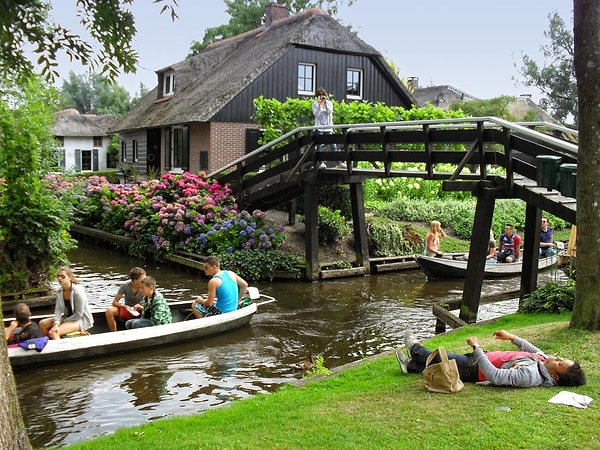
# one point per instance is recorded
(178, 212)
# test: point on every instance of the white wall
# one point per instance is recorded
(84, 143)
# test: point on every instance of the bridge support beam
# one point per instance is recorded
(311, 222)
(531, 253)
(479, 248)
(361, 244)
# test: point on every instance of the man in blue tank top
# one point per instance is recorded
(225, 290)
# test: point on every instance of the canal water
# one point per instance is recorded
(344, 320)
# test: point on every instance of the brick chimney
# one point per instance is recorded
(274, 12)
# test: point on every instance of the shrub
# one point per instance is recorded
(254, 265)
(550, 298)
(332, 226)
(392, 238)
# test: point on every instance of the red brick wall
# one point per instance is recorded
(199, 141)
(228, 143)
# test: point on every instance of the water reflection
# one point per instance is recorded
(345, 320)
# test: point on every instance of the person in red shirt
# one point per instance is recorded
(527, 367)
(509, 248)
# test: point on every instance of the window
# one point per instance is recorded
(203, 160)
(86, 160)
(169, 83)
(97, 141)
(134, 144)
(306, 79)
(354, 84)
(60, 140)
(177, 147)
(123, 151)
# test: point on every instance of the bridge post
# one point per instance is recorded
(359, 223)
(479, 249)
(531, 254)
(311, 230)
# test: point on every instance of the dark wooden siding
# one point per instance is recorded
(280, 81)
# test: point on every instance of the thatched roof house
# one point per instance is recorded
(83, 139)
(205, 102)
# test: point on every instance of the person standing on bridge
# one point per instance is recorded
(509, 248)
(322, 109)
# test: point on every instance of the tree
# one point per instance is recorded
(248, 14)
(586, 311)
(25, 24)
(556, 78)
(496, 107)
(92, 93)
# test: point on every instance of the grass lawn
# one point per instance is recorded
(374, 406)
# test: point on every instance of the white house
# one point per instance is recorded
(83, 139)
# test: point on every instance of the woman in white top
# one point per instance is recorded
(71, 312)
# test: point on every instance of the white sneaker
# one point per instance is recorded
(323, 166)
(410, 340)
(342, 165)
(403, 360)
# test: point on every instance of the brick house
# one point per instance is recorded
(199, 116)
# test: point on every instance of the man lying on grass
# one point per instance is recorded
(528, 367)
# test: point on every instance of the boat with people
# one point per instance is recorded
(101, 342)
(454, 265)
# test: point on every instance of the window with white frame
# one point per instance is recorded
(123, 151)
(354, 84)
(134, 145)
(97, 141)
(168, 83)
(306, 79)
(177, 147)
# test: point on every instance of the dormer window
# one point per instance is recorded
(169, 83)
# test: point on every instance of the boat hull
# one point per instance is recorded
(449, 268)
(123, 341)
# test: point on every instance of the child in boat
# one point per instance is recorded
(225, 290)
(131, 293)
(28, 329)
(155, 310)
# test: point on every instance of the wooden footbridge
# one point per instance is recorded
(283, 170)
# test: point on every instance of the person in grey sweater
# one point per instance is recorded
(526, 367)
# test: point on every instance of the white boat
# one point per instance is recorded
(455, 266)
(101, 342)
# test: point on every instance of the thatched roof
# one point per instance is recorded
(442, 96)
(208, 81)
(70, 123)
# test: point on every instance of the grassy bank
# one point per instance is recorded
(374, 406)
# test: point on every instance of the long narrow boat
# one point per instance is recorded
(454, 266)
(102, 343)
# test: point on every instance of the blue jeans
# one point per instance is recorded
(547, 251)
(467, 367)
(320, 146)
(138, 323)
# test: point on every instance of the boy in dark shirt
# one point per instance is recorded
(28, 329)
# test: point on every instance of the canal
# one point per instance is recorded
(345, 320)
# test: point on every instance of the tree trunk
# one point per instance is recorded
(13, 434)
(586, 313)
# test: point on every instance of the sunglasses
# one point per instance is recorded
(62, 277)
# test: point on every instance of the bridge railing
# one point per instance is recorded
(292, 156)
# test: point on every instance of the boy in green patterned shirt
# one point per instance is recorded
(155, 311)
